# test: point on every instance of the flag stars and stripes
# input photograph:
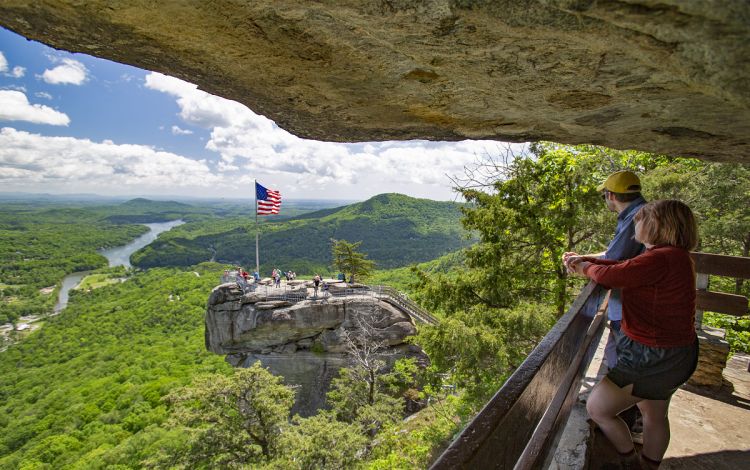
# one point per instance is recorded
(269, 200)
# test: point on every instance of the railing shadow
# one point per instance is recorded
(723, 395)
(728, 459)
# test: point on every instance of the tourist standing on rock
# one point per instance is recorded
(278, 277)
(622, 194)
(657, 347)
(316, 284)
(242, 276)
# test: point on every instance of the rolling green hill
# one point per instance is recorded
(42, 239)
(395, 230)
(143, 211)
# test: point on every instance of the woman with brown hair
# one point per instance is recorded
(657, 347)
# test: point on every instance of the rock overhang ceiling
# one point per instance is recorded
(667, 76)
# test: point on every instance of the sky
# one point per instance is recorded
(72, 123)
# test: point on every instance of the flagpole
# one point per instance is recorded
(257, 260)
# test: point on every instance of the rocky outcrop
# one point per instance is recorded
(666, 76)
(304, 341)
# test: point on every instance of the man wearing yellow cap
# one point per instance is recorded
(622, 194)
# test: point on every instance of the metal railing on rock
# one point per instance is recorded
(399, 299)
(300, 293)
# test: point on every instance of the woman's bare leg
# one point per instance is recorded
(603, 405)
(655, 428)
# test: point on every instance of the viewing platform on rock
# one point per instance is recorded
(301, 289)
(306, 338)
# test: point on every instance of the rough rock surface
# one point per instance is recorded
(712, 358)
(305, 342)
(667, 76)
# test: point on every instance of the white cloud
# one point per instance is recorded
(14, 106)
(17, 71)
(249, 144)
(43, 94)
(71, 72)
(20, 88)
(177, 131)
(198, 107)
(106, 167)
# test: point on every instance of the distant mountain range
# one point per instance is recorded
(395, 230)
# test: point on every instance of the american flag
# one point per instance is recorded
(269, 201)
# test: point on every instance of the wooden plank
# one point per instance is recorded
(498, 434)
(561, 404)
(721, 265)
(729, 304)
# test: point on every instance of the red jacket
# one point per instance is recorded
(658, 294)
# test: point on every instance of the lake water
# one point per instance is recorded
(118, 256)
(69, 282)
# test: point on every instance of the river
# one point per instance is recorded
(118, 256)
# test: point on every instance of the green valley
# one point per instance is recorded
(121, 378)
(395, 230)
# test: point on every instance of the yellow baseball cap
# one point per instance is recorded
(621, 182)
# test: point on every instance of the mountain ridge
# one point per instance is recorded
(395, 230)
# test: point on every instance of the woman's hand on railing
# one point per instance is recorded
(577, 265)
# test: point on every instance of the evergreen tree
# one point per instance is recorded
(348, 260)
(527, 209)
(230, 422)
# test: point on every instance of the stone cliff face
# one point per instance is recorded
(667, 76)
(306, 341)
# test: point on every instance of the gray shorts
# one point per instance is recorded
(656, 373)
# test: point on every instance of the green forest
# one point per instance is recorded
(39, 246)
(121, 378)
(395, 230)
(42, 241)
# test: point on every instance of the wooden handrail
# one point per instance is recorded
(729, 304)
(721, 265)
(707, 264)
(559, 409)
(516, 427)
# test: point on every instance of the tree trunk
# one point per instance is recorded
(738, 283)
(561, 291)
(371, 394)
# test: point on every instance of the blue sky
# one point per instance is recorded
(71, 123)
